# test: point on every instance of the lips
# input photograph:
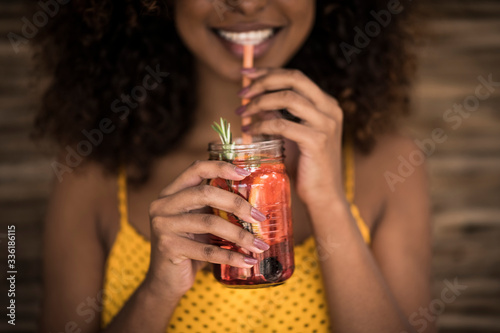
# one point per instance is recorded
(235, 37)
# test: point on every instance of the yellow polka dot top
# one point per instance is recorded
(298, 305)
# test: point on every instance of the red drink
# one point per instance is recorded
(268, 190)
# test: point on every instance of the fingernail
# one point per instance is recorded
(242, 172)
(243, 91)
(245, 128)
(241, 109)
(260, 244)
(248, 70)
(258, 215)
(250, 261)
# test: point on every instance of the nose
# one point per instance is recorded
(247, 7)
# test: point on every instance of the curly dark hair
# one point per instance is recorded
(95, 51)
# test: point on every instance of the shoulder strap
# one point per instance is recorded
(349, 184)
(122, 196)
(349, 187)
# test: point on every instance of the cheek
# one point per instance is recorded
(191, 21)
(303, 16)
(190, 18)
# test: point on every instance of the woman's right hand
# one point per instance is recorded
(180, 220)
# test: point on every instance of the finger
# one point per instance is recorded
(281, 79)
(285, 99)
(215, 225)
(196, 197)
(269, 115)
(304, 136)
(254, 72)
(211, 253)
(201, 170)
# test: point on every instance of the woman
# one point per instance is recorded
(135, 86)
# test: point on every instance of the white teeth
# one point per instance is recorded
(246, 38)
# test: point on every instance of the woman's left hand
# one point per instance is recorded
(318, 136)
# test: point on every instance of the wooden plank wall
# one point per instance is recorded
(463, 43)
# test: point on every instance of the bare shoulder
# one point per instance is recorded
(405, 164)
(90, 174)
(396, 163)
(391, 147)
(84, 193)
(391, 177)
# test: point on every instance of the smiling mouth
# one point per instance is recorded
(253, 37)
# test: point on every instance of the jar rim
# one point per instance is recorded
(258, 142)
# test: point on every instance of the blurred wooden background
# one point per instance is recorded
(463, 44)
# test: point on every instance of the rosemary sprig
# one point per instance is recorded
(224, 131)
(225, 135)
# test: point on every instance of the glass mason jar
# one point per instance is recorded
(268, 190)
